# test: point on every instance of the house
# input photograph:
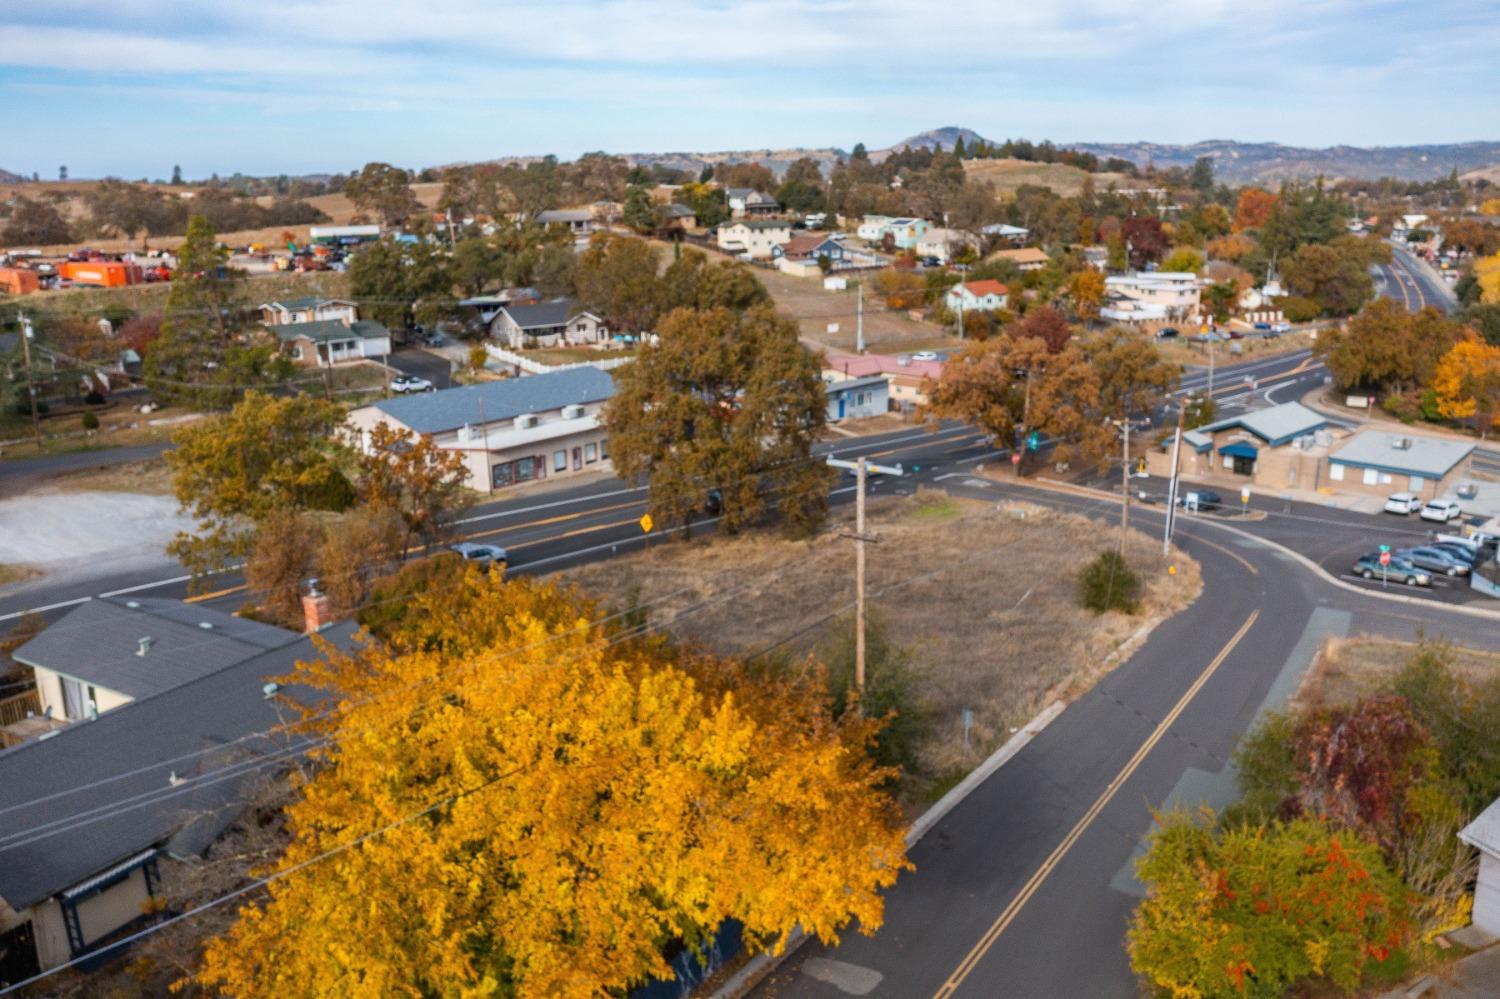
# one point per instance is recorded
(1483, 834)
(745, 202)
(110, 651)
(580, 221)
(945, 244)
(1026, 259)
(308, 310)
(904, 232)
(906, 379)
(1380, 462)
(982, 296)
(800, 255)
(852, 398)
(1008, 233)
(681, 216)
(327, 342)
(873, 228)
(1281, 447)
(757, 238)
(1151, 296)
(93, 815)
(1097, 257)
(511, 431)
(548, 324)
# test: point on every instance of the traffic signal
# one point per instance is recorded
(1033, 441)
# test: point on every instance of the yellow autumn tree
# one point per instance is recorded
(1487, 271)
(1466, 383)
(540, 808)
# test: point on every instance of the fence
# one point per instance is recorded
(534, 367)
(20, 707)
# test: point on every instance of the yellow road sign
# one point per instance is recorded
(646, 523)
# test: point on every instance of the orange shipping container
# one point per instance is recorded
(18, 281)
(103, 273)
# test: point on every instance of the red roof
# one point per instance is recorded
(988, 286)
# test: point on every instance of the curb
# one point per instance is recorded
(762, 964)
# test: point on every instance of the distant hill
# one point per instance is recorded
(6, 177)
(1268, 162)
(947, 137)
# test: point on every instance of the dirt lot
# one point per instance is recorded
(888, 332)
(982, 635)
(1008, 175)
(1179, 351)
(1348, 668)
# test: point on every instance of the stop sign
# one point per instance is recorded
(1015, 459)
(1385, 558)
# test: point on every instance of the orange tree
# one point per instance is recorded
(1253, 911)
(1466, 383)
(557, 806)
(408, 474)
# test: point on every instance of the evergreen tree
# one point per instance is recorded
(958, 149)
(176, 175)
(638, 213)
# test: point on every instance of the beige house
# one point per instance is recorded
(1151, 296)
(308, 310)
(1026, 259)
(509, 432)
(758, 238)
(945, 244)
(548, 324)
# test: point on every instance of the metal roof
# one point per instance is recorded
(99, 642)
(1276, 425)
(1431, 457)
(47, 785)
(1484, 832)
(565, 215)
(487, 402)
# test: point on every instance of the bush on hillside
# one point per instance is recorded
(1107, 583)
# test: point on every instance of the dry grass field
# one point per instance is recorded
(805, 300)
(1008, 175)
(1348, 668)
(983, 599)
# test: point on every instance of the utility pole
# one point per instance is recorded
(1210, 370)
(1166, 537)
(859, 318)
(36, 419)
(1125, 486)
(861, 468)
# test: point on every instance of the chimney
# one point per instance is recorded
(317, 611)
(145, 645)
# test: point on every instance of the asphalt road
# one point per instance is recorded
(1025, 889)
(1412, 284)
(23, 473)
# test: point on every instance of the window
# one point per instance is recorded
(1385, 478)
(560, 460)
(1335, 471)
(502, 475)
(1416, 484)
(590, 453)
(296, 353)
(1371, 477)
(604, 448)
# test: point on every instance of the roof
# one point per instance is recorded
(860, 365)
(543, 314)
(98, 642)
(738, 192)
(845, 384)
(988, 286)
(79, 769)
(328, 330)
(1276, 425)
(565, 215)
(305, 302)
(1025, 255)
(759, 224)
(488, 402)
(808, 243)
(677, 211)
(1431, 457)
(1002, 229)
(1484, 832)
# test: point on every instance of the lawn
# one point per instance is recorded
(945, 580)
(119, 426)
(573, 355)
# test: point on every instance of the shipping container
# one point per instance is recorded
(19, 281)
(102, 273)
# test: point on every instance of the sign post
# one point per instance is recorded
(1385, 562)
(1244, 501)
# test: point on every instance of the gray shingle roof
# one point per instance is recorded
(542, 314)
(97, 642)
(305, 302)
(1432, 457)
(325, 330)
(448, 409)
(564, 215)
(1276, 425)
(52, 847)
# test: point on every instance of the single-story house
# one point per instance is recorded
(905, 232)
(1000, 230)
(745, 202)
(945, 244)
(548, 324)
(758, 238)
(1281, 447)
(977, 296)
(905, 378)
(1381, 462)
(510, 431)
(333, 341)
(811, 246)
(580, 221)
(674, 214)
(1027, 258)
(873, 228)
(1483, 834)
(110, 651)
(309, 309)
(90, 812)
(852, 398)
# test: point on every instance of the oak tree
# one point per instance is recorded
(383, 191)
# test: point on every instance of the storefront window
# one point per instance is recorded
(560, 460)
(502, 475)
(590, 453)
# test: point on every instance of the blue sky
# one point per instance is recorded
(130, 87)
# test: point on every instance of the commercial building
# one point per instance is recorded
(852, 398)
(1282, 447)
(1380, 462)
(511, 431)
(906, 379)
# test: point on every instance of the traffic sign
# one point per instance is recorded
(1385, 558)
(1015, 459)
(646, 524)
(1244, 494)
(1385, 548)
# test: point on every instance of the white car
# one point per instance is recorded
(1403, 503)
(410, 383)
(1281, 327)
(1441, 510)
(483, 556)
(925, 355)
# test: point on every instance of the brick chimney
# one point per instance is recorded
(317, 611)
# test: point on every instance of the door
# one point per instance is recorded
(17, 955)
(842, 403)
(577, 458)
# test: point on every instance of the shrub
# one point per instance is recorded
(1297, 309)
(890, 691)
(94, 398)
(90, 420)
(1107, 583)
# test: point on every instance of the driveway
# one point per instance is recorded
(424, 364)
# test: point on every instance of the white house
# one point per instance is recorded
(977, 296)
(327, 342)
(548, 324)
(1009, 233)
(580, 221)
(873, 228)
(1151, 296)
(508, 432)
(1483, 834)
(945, 244)
(308, 310)
(758, 238)
(745, 202)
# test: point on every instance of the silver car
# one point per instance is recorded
(484, 556)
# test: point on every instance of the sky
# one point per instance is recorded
(131, 87)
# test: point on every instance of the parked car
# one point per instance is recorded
(925, 355)
(484, 556)
(1281, 327)
(1263, 327)
(1468, 553)
(1201, 499)
(410, 383)
(1403, 503)
(1167, 333)
(1435, 560)
(1441, 510)
(1399, 570)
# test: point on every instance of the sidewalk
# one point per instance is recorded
(1472, 977)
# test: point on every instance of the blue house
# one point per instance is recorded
(852, 398)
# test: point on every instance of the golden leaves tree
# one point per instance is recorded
(1467, 383)
(556, 806)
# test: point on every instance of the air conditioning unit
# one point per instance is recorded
(525, 421)
(572, 412)
(469, 432)
(1401, 443)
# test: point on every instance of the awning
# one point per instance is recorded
(1240, 449)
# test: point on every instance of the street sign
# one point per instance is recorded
(1385, 548)
(1244, 494)
(1385, 558)
(1015, 459)
(646, 524)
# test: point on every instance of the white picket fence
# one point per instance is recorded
(535, 367)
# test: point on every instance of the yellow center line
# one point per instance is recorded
(971, 961)
(1262, 382)
(560, 518)
(216, 593)
(1241, 560)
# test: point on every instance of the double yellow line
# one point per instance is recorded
(1008, 916)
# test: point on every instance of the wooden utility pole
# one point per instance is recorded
(861, 468)
(36, 419)
(1125, 486)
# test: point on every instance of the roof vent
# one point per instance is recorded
(145, 644)
(269, 690)
(206, 625)
(133, 604)
(1401, 443)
